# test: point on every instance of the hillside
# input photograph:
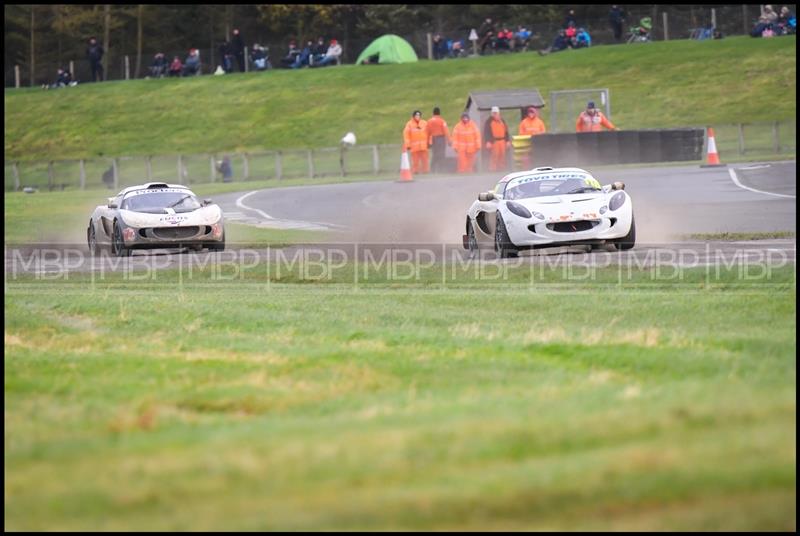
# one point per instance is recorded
(676, 83)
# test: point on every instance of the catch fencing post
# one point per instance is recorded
(745, 24)
(148, 161)
(16, 76)
(50, 175)
(430, 46)
(16, 175)
(212, 169)
(115, 168)
(666, 26)
(180, 169)
(246, 61)
(713, 18)
(278, 165)
(310, 164)
(82, 166)
(376, 161)
(72, 68)
(741, 138)
(245, 167)
(127, 68)
(776, 141)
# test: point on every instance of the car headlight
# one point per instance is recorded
(538, 215)
(603, 209)
(518, 209)
(616, 201)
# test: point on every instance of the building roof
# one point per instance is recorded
(512, 98)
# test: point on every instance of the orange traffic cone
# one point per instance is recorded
(712, 158)
(405, 168)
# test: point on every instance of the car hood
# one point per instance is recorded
(562, 207)
(202, 216)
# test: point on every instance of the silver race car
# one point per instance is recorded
(547, 207)
(155, 215)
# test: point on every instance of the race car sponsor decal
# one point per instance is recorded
(174, 219)
(159, 190)
(587, 179)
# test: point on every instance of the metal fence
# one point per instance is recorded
(669, 22)
(755, 140)
(119, 172)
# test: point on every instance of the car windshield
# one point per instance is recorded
(160, 201)
(540, 186)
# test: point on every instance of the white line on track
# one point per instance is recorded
(240, 204)
(732, 173)
(286, 223)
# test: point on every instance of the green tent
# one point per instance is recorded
(390, 49)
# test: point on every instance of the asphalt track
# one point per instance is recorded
(428, 215)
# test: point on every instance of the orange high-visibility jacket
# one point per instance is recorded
(531, 127)
(466, 138)
(593, 123)
(437, 127)
(415, 135)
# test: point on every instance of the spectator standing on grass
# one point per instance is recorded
(592, 120)
(439, 47)
(176, 67)
(438, 140)
(466, 140)
(332, 55)
(486, 33)
(616, 18)
(226, 57)
(497, 136)
(415, 141)
(94, 53)
(237, 49)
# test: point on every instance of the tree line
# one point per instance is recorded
(55, 34)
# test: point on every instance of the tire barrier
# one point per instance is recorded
(616, 147)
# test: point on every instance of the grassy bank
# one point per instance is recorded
(308, 408)
(664, 84)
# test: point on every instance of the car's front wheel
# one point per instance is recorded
(502, 243)
(118, 244)
(91, 240)
(627, 241)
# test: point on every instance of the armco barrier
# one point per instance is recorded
(618, 147)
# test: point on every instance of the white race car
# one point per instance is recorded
(548, 207)
(156, 215)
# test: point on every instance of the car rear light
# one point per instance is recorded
(216, 230)
(128, 234)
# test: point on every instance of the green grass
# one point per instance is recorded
(664, 84)
(731, 237)
(259, 405)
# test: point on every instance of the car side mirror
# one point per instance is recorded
(486, 196)
(206, 202)
(618, 185)
(112, 205)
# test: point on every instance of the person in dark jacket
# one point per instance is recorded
(237, 48)
(94, 53)
(616, 17)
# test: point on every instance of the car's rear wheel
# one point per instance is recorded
(502, 243)
(91, 240)
(117, 244)
(629, 240)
